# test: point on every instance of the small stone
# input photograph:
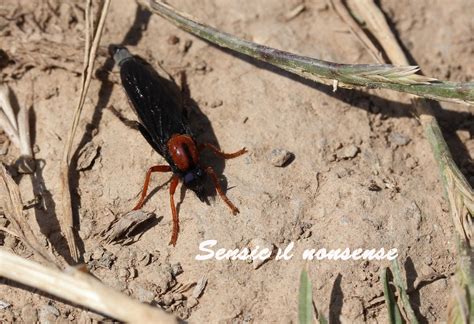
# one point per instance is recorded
(4, 305)
(48, 314)
(348, 152)
(143, 295)
(123, 274)
(165, 279)
(29, 314)
(167, 300)
(216, 103)
(186, 45)
(191, 302)
(398, 139)
(373, 186)
(3, 222)
(173, 40)
(87, 256)
(176, 269)
(411, 162)
(281, 157)
(98, 253)
(133, 273)
(10, 242)
(145, 259)
(201, 66)
(413, 212)
(87, 156)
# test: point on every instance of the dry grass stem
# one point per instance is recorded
(80, 288)
(17, 128)
(340, 8)
(13, 210)
(93, 36)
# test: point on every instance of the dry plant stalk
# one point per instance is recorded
(13, 210)
(458, 191)
(80, 288)
(339, 7)
(17, 129)
(93, 36)
(378, 26)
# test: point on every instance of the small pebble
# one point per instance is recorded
(398, 139)
(348, 152)
(186, 45)
(165, 279)
(133, 273)
(201, 66)
(144, 295)
(373, 186)
(173, 40)
(176, 269)
(98, 253)
(145, 259)
(216, 103)
(48, 314)
(191, 302)
(167, 300)
(123, 274)
(280, 157)
(87, 156)
(4, 305)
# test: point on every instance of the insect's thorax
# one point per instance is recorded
(183, 151)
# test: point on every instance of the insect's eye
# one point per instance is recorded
(188, 177)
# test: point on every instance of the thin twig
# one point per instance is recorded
(402, 78)
(66, 219)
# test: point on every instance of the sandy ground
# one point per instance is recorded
(362, 176)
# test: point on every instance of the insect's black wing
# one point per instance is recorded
(156, 102)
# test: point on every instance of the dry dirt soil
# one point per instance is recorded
(363, 174)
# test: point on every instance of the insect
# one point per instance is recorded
(164, 125)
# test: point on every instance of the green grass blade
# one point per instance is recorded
(305, 299)
(394, 315)
(386, 76)
(402, 289)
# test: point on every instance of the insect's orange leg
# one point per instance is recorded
(156, 168)
(212, 174)
(173, 185)
(221, 154)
